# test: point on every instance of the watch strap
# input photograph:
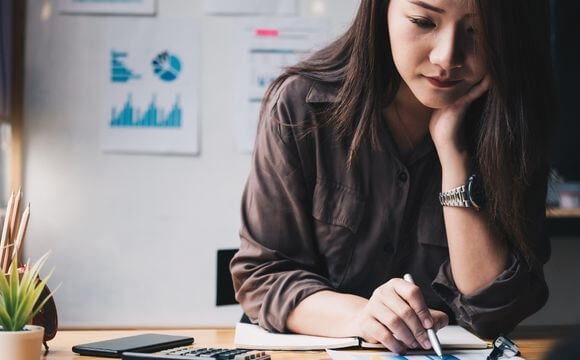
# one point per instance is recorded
(456, 197)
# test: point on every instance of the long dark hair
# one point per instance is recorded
(509, 127)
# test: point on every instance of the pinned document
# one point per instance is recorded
(265, 48)
(151, 98)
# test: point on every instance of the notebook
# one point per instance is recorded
(249, 336)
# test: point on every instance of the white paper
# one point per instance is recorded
(108, 7)
(250, 7)
(254, 337)
(452, 337)
(265, 47)
(372, 355)
(152, 92)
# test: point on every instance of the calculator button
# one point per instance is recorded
(191, 353)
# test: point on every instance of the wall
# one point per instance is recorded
(134, 237)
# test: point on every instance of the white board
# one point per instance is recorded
(134, 238)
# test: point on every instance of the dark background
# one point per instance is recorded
(566, 62)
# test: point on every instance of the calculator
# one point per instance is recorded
(192, 352)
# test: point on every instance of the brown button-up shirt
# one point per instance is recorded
(309, 223)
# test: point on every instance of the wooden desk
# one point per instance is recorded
(534, 342)
(559, 212)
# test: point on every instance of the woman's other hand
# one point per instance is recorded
(396, 316)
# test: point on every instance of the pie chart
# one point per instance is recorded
(166, 66)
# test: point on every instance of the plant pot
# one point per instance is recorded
(21, 345)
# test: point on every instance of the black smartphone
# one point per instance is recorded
(145, 343)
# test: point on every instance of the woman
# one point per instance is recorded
(357, 170)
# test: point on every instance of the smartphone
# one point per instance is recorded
(145, 343)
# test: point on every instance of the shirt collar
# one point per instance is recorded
(322, 93)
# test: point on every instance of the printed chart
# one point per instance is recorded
(119, 71)
(264, 50)
(152, 92)
(373, 355)
(152, 117)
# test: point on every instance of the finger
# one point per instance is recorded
(409, 316)
(441, 319)
(413, 296)
(478, 89)
(483, 86)
(395, 324)
(374, 330)
(367, 329)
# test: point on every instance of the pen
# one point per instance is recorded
(14, 215)
(432, 336)
(21, 233)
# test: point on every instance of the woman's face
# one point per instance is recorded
(434, 47)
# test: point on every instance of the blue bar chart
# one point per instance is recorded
(153, 116)
(120, 73)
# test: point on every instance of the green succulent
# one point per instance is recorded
(19, 293)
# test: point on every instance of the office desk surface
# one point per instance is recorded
(533, 342)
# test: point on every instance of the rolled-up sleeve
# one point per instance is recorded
(519, 291)
(278, 264)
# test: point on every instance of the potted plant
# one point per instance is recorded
(20, 290)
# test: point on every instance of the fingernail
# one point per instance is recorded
(427, 344)
(415, 345)
(428, 323)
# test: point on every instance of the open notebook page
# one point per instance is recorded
(250, 336)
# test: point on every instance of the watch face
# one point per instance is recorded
(475, 191)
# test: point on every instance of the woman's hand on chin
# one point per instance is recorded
(445, 123)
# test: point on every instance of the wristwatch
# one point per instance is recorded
(469, 195)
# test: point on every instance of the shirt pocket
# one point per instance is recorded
(338, 212)
(432, 249)
(431, 226)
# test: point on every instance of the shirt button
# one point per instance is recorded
(403, 176)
